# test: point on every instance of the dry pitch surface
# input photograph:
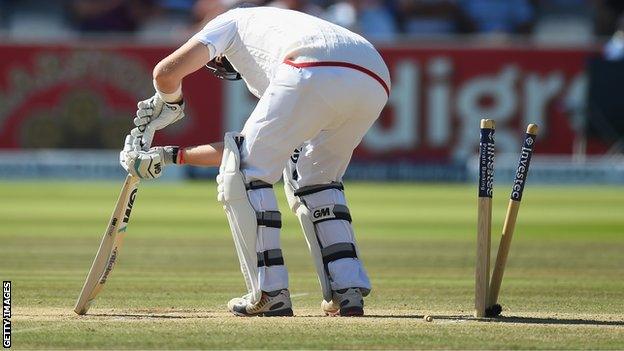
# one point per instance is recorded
(564, 287)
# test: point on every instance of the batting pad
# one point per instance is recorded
(241, 216)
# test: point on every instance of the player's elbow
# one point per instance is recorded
(164, 75)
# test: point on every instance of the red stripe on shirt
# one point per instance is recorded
(340, 64)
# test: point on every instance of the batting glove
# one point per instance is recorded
(157, 114)
(146, 164)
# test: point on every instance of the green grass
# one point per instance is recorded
(563, 287)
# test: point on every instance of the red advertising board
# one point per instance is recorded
(84, 96)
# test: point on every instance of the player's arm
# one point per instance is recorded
(169, 72)
(167, 105)
(150, 164)
(208, 155)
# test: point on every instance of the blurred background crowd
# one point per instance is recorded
(71, 72)
(576, 21)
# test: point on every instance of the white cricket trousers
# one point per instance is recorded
(324, 111)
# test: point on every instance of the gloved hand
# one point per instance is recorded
(154, 114)
(145, 164)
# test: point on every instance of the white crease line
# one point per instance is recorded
(449, 321)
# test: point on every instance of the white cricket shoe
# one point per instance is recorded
(345, 302)
(271, 304)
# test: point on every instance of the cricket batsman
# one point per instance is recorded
(320, 88)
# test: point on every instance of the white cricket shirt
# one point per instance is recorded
(256, 40)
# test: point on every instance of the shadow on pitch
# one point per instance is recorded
(534, 320)
(506, 319)
(150, 316)
(398, 316)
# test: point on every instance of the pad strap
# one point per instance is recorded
(271, 219)
(270, 258)
(257, 184)
(312, 189)
(337, 251)
(330, 212)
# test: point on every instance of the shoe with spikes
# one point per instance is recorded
(345, 302)
(271, 304)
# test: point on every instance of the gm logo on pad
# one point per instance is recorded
(322, 212)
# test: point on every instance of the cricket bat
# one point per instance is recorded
(109, 247)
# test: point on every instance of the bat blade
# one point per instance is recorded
(107, 254)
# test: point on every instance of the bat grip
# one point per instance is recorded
(143, 137)
(147, 138)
